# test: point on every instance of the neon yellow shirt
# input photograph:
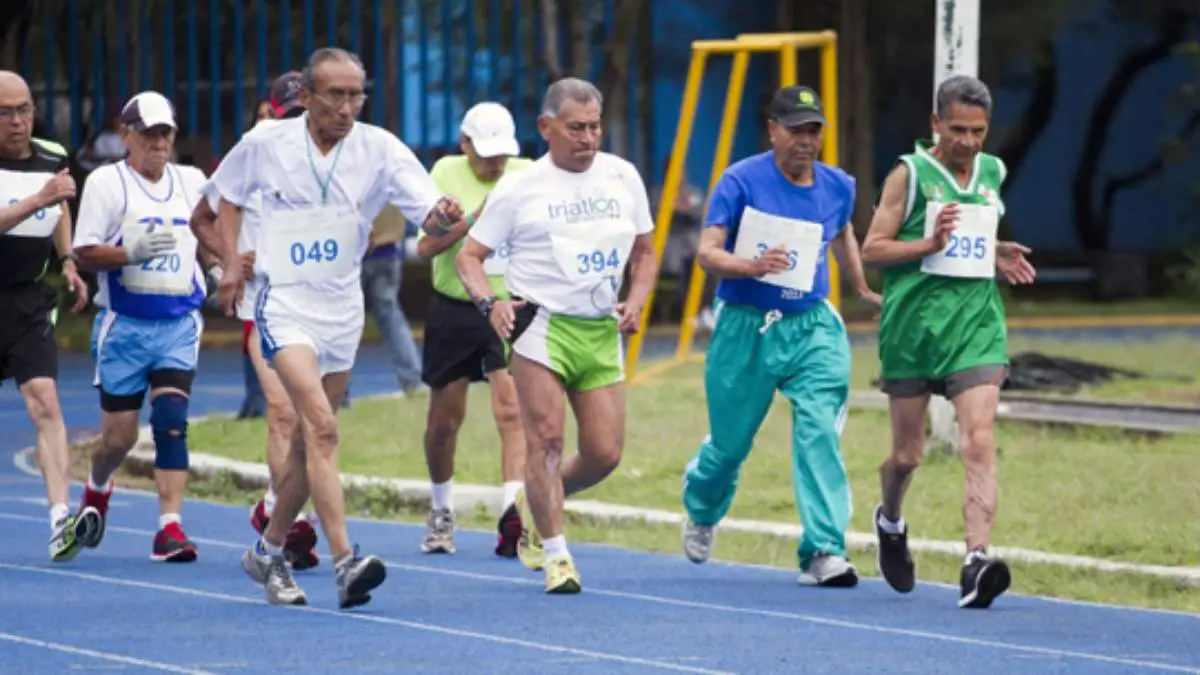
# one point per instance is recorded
(454, 177)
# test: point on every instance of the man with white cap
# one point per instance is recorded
(133, 230)
(461, 346)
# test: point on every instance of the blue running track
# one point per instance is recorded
(112, 609)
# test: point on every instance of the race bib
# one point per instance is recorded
(496, 264)
(311, 245)
(971, 251)
(593, 256)
(803, 240)
(170, 274)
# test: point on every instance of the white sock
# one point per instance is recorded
(443, 495)
(264, 548)
(57, 513)
(555, 547)
(269, 501)
(890, 526)
(511, 488)
(105, 489)
(168, 518)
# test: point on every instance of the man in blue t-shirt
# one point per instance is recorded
(771, 222)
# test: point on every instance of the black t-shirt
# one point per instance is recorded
(25, 250)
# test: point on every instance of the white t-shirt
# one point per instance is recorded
(247, 233)
(569, 234)
(114, 196)
(370, 168)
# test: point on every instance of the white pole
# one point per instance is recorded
(955, 52)
(956, 39)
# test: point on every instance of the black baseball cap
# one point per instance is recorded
(147, 110)
(796, 105)
(285, 93)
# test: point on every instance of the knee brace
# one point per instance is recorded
(168, 423)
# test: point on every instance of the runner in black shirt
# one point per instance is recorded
(35, 223)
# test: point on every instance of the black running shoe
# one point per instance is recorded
(983, 580)
(892, 559)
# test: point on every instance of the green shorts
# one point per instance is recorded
(586, 353)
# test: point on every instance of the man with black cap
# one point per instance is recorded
(771, 222)
(300, 547)
(133, 229)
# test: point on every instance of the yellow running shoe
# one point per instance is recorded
(561, 576)
(529, 547)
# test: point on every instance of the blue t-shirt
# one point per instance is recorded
(757, 182)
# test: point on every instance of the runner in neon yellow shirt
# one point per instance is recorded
(460, 345)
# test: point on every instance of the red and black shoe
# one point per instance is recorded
(171, 544)
(300, 548)
(509, 528)
(97, 500)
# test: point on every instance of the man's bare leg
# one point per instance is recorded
(600, 414)
(983, 578)
(313, 456)
(447, 410)
(894, 561)
(506, 410)
(311, 397)
(42, 404)
(541, 394)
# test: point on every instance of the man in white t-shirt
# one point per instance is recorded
(300, 547)
(572, 223)
(323, 178)
(133, 230)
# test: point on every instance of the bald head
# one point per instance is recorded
(16, 115)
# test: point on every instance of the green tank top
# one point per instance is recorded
(930, 325)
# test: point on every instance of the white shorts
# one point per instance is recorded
(331, 326)
(245, 308)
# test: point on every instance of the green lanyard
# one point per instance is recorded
(323, 184)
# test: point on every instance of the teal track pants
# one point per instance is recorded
(806, 357)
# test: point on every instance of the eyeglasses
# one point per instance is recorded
(23, 110)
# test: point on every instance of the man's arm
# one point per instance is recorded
(429, 246)
(410, 188)
(643, 273)
(880, 248)
(468, 262)
(62, 234)
(12, 215)
(845, 250)
(96, 220)
(716, 261)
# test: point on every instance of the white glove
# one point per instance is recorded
(150, 246)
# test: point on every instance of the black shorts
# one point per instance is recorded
(28, 349)
(948, 387)
(459, 343)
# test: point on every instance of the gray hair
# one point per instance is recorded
(569, 89)
(308, 76)
(965, 90)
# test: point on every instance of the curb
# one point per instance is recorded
(416, 493)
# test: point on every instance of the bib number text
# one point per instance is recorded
(302, 253)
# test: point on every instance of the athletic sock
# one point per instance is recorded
(891, 526)
(57, 513)
(167, 518)
(511, 488)
(443, 495)
(555, 547)
(269, 501)
(263, 547)
(107, 488)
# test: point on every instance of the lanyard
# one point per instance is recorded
(323, 184)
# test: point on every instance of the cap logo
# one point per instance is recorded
(806, 98)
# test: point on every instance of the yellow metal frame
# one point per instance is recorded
(786, 45)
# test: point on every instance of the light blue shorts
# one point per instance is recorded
(127, 350)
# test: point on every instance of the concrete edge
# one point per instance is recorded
(416, 493)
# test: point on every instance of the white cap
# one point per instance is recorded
(491, 129)
(148, 109)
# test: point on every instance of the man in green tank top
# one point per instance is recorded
(460, 345)
(942, 328)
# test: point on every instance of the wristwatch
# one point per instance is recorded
(485, 305)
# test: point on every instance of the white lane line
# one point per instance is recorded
(104, 656)
(416, 625)
(693, 604)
